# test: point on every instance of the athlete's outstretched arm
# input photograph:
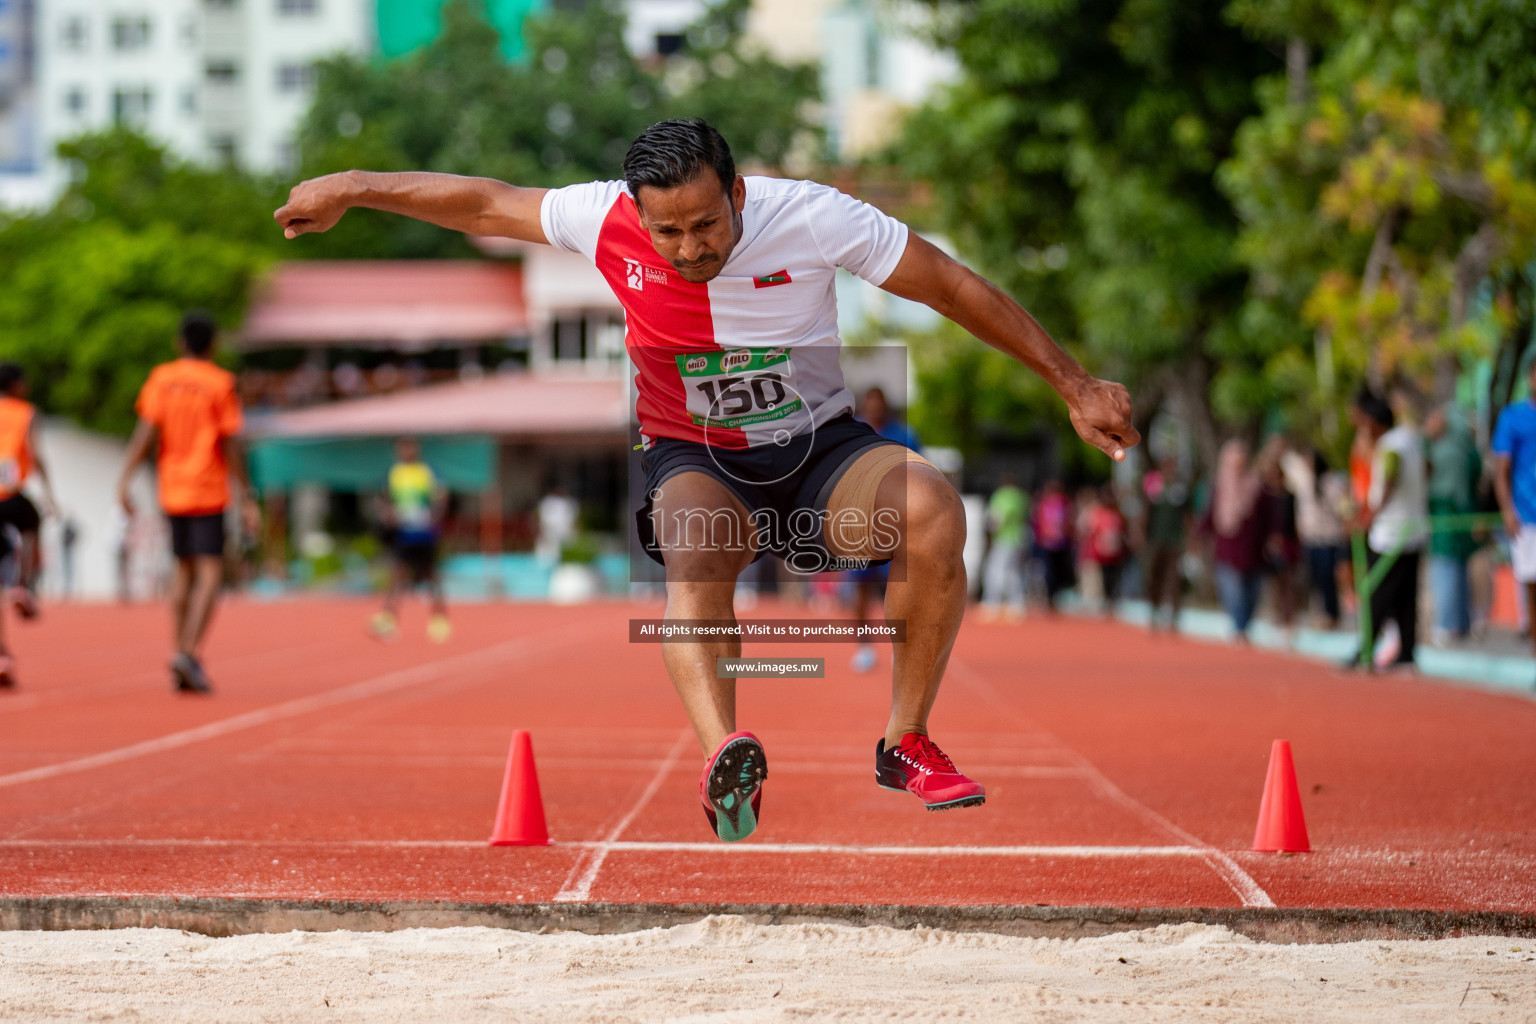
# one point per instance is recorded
(475, 206)
(1100, 409)
(138, 451)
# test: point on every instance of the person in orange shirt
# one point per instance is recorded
(190, 406)
(19, 460)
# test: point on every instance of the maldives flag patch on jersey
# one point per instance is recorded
(770, 280)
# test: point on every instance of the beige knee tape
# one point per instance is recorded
(856, 490)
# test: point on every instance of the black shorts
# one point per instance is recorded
(418, 556)
(197, 536)
(18, 511)
(784, 487)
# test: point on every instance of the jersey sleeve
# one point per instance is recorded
(573, 216)
(853, 235)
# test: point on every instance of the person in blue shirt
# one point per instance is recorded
(1514, 481)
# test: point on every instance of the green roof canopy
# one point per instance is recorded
(464, 463)
(407, 25)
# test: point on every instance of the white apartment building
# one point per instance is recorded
(874, 59)
(212, 79)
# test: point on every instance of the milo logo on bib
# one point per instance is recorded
(738, 388)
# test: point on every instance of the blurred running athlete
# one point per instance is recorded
(727, 283)
(20, 459)
(190, 407)
(413, 512)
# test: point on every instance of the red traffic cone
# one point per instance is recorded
(520, 815)
(1281, 827)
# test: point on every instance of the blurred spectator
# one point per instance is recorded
(875, 409)
(69, 536)
(1090, 584)
(1165, 529)
(1322, 501)
(385, 378)
(558, 515)
(1002, 581)
(306, 385)
(1238, 520)
(1107, 546)
(1053, 540)
(122, 554)
(1514, 481)
(1454, 471)
(1282, 548)
(1394, 515)
(348, 380)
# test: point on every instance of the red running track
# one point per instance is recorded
(1122, 770)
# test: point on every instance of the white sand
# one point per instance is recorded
(722, 969)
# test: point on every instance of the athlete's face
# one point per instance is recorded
(695, 226)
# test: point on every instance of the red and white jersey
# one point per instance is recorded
(751, 357)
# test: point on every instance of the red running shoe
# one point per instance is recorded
(919, 767)
(732, 786)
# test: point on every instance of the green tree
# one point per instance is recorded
(1381, 194)
(91, 290)
(1073, 161)
(566, 115)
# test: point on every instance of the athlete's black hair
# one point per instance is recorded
(198, 331)
(1375, 408)
(11, 374)
(672, 153)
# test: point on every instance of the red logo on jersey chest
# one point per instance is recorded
(772, 280)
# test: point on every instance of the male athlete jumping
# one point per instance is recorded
(750, 442)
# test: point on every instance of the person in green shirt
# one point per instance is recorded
(1166, 528)
(1454, 471)
(413, 512)
(1003, 575)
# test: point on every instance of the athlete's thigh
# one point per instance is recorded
(700, 521)
(870, 503)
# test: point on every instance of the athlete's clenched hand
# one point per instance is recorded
(1101, 414)
(314, 205)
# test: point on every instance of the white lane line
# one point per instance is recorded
(1240, 882)
(289, 709)
(578, 888)
(606, 846)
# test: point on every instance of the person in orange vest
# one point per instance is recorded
(190, 406)
(19, 460)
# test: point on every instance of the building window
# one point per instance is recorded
(221, 5)
(75, 35)
(189, 33)
(668, 43)
(130, 106)
(74, 100)
(130, 34)
(298, 6)
(570, 339)
(224, 149)
(189, 100)
(222, 72)
(295, 77)
(872, 52)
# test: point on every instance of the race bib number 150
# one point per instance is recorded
(738, 388)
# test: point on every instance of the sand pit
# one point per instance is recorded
(723, 969)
